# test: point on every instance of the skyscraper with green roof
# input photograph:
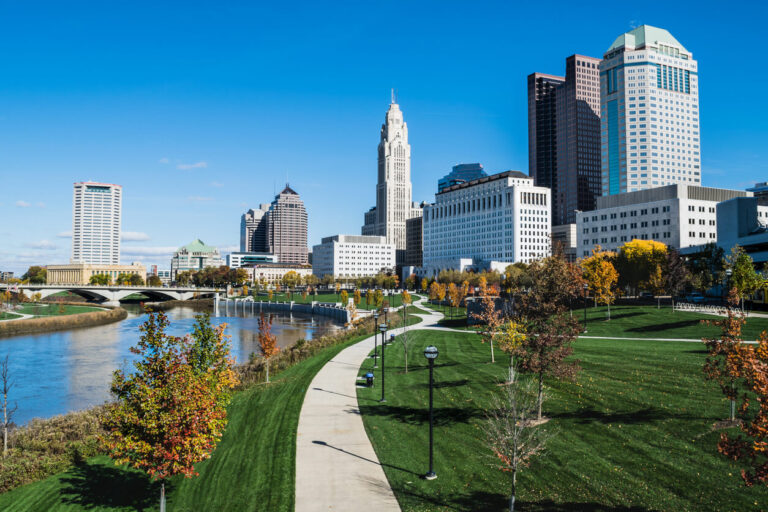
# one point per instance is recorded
(649, 96)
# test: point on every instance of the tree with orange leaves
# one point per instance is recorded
(171, 412)
(267, 341)
(742, 372)
(489, 316)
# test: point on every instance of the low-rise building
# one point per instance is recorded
(241, 259)
(677, 215)
(6, 276)
(272, 274)
(352, 256)
(195, 256)
(486, 224)
(81, 273)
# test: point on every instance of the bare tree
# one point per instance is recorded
(6, 384)
(511, 430)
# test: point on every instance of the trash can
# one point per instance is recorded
(369, 379)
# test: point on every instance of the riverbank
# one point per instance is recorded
(260, 441)
(107, 314)
(201, 304)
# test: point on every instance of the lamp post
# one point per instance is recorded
(375, 339)
(431, 354)
(586, 287)
(385, 310)
(383, 330)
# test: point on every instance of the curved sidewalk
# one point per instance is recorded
(336, 466)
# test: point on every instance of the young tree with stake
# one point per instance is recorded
(267, 341)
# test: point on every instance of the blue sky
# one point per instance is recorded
(201, 110)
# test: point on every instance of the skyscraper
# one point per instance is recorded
(650, 113)
(287, 227)
(393, 190)
(254, 230)
(461, 173)
(564, 136)
(96, 211)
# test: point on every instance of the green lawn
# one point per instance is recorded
(650, 322)
(45, 309)
(394, 301)
(8, 316)
(634, 432)
(253, 468)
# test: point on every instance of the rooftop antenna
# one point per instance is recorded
(394, 96)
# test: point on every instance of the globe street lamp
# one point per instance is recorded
(383, 330)
(375, 339)
(386, 310)
(431, 354)
(586, 287)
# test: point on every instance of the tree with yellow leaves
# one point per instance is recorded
(344, 298)
(637, 260)
(510, 337)
(424, 284)
(356, 297)
(453, 296)
(601, 277)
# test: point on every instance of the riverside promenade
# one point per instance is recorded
(336, 466)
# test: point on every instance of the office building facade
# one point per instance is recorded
(487, 223)
(287, 228)
(254, 230)
(564, 136)
(677, 215)
(393, 189)
(96, 223)
(242, 259)
(352, 256)
(413, 242)
(81, 273)
(461, 173)
(649, 113)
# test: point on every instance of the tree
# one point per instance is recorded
(168, 414)
(453, 296)
(154, 281)
(677, 274)
(100, 280)
(423, 284)
(344, 298)
(491, 318)
(601, 277)
(510, 337)
(35, 274)
(511, 432)
(267, 341)
(183, 278)
(744, 279)
(290, 279)
(356, 297)
(6, 383)
(378, 297)
(549, 329)
(721, 350)
(270, 294)
(657, 284)
(135, 280)
(441, 291)
(637, 259)
(434, 291)
(410, 282)
(707, 267)
(749, 364)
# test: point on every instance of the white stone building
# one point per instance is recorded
(649, 113)
(195, 256)
(96, 218)
(487, 223)
(394, 203)
(272, 273)
(677, 215)
(352, 256)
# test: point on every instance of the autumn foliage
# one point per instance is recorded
(170, 413)
(267, 340)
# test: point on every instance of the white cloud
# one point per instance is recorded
(216, 184)
(196, 165)
(148, 251)
(64, 234)
(23, 204)
(133, 236)
(164, 161)
(200, 198)
(42, 244)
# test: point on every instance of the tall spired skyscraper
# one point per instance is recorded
(393, 191)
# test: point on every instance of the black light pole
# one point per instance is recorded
(386, 310)
(383, 329)
(431, 354)
(375, 339)
(586, 287)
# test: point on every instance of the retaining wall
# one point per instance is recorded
(331, 310)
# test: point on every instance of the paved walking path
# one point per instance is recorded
(336, 466)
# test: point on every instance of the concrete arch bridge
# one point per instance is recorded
(112, 294)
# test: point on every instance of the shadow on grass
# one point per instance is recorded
(614, 316)
(452, 322)
(451, 383)
(416, 416)
(550, 506)
(664, 327)
(342, 450)
(647, 415)
(102, 485)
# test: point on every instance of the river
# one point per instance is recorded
(65, 371)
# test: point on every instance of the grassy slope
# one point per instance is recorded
(634, 432)
(8, 316)
(252, 469)
(53, 309)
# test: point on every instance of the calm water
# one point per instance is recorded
(64, 371)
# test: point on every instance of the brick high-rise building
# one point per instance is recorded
(287, 227)
(564, 136)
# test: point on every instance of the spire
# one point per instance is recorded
(394, 96)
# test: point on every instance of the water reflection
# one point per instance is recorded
(70, 370)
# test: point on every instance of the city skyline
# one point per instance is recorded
(189, 165)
